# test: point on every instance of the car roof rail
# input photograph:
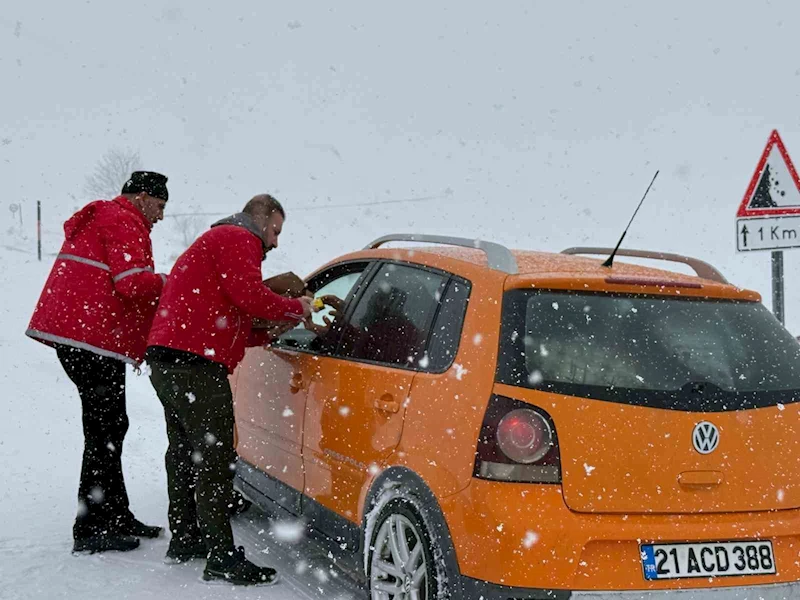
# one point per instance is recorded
(498, 256)
(703, 269)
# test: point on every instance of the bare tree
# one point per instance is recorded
(111, 172)
(188, 226)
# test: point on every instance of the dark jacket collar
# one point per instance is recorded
(247, 222)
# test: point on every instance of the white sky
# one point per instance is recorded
(536, 124)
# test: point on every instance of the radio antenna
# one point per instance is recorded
(610, 259)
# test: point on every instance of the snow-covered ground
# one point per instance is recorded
(40, 456)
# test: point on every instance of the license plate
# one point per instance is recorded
(708, 559)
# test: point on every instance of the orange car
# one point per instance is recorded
(486, 423)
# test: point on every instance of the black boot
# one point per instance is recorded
(182, 551)
(133, 526)
(233, 567)
(104, 542)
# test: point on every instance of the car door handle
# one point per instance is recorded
(387, 403)
(296, 383)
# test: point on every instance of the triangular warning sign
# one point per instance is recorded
(775, 188)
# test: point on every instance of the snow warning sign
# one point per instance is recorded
(769, 214)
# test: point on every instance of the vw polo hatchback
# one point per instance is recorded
(474, 422)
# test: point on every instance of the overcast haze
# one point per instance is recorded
(536, 124)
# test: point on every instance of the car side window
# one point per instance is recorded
(340, 282)
(446, 330)
(391, 322)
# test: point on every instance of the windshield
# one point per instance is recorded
(688, 354)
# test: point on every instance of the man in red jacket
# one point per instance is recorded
(95, 310)
(201, 330)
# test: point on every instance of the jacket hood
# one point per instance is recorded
(75, 224)
(244, 221)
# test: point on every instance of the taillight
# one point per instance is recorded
(524, 436)
(517, 443)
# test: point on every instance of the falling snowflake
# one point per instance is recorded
(535, 378)
(127, 257)
(209, 352)
(344, 411)
(460, 371)
(477, 339)
(555, 305)
(291, 531)
(531, 537)
(97, 495)
(321, 575)
(191, 397)
(288, 412)
(588, 469)
(301, 567)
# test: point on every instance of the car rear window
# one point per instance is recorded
(674, 353)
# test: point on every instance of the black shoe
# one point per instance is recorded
(136, 528)
(105, 542)
(239, 504)
(180, 552)
(234, 568)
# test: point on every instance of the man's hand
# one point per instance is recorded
(336, 303)
(308, 306)
(319, 330)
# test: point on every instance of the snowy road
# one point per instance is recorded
(40, 454)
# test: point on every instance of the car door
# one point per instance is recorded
(271, 393)
(356, 402)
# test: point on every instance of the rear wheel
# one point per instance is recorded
(401, 565)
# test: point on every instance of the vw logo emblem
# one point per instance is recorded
(705, 437)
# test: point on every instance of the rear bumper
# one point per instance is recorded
(473, 588)
(523, 537)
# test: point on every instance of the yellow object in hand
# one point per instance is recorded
(318, 303)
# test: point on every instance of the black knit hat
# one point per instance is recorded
(149, 182)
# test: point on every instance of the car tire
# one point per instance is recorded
(402, 556)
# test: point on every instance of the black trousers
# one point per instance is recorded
(102, 497)
(200, 459)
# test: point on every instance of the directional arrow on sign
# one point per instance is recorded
(744, 235)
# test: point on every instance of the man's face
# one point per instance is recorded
(152, 207)
(271, 228)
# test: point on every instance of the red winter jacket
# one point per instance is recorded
(214, 291)
(102, 290)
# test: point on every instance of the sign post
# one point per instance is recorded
(769, 215)
(777, 286)
(39, 229)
